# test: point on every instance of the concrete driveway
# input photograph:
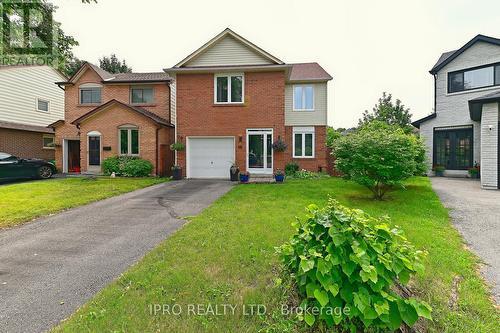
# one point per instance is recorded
(476, 214)
(52, 266)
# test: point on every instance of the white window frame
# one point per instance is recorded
(229, 75)
(303, 131)
(53, 141)
(142, 87)
(303, 86)
(43, 100)
(129, 129)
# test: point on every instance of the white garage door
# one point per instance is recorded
(210, 157)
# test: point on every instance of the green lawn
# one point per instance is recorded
(226, 256)
(23, 202)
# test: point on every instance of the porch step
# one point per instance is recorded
(261, 178)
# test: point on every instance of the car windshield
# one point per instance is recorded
(5, 156)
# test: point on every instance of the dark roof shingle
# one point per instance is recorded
(24, 127)
(147, 77)
(308, 72)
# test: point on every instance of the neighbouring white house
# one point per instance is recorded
(463, 131)
(29, 101)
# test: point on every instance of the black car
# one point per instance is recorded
(12, 167)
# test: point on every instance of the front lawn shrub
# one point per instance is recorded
(379, 156)
(291, 168)
(345, 264)
(305, 174)
(128, 166)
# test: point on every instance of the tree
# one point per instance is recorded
(389, 112)
(379, 156)
(332, 135)
(113, 65)
(73, 66)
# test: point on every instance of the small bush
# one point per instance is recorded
(305, 174)
(345, 264)
(127, 166)
(291, 168)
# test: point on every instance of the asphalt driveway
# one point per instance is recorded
(52, 266)
(476, 214)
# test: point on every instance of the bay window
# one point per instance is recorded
(229, 88)
(303, 142)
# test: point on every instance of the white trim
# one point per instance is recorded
(221, 35)
(94, 168)
(228, 76)
(65, 155)
(262, 131)
(303, 97)
(129, 128)
(188, 174)
(38, 99)
(303, 131)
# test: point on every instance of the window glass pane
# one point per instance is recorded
(124, 141)
(308, 144)
(147, 95)
(477, 78)
(142, 95)
(86, 96)
(43, 105)
(269, 151)
(96, 95)
(236, 88)
(48, 142)
(298, 145)
(453, 149)
(456, 82)
(309, 96)
(136, 95)
(297, 98)
(135, 141)
(222, 89)
(497, 75)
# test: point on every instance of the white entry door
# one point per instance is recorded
(260, 151)
(209, 157)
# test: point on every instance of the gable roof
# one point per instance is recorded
(107, 77)
(417, 123)
(310, 71)
(448, 57)
(157, 119)
(228, 32)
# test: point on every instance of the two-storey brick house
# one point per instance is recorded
(114, 114)
(463, 130)
(230, 102)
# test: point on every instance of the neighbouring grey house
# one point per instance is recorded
(464, 128)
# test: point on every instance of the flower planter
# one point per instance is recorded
(177, 174)
(279, 178)
(233, 172)
(244, 178)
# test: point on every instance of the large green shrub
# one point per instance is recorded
(128, 166)
(345, 264)
(379, 156)
(291, 168)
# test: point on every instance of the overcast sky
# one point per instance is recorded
(367, 46)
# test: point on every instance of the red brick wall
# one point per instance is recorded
(110, 120)
(264, 107)
(24, 144)
(320, 160)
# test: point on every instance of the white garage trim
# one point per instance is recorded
(188, 148)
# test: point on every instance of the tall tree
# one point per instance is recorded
(113, 65)
(387, 111)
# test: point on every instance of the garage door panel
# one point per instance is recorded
(210, 157)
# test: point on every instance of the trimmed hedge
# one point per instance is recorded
(127, 166)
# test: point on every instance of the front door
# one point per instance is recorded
(259, 151)
(73, 156)
(95, 150)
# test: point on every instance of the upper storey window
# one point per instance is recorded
(141, 95)
(482, 77)
(303, 98)
(229, 88)
(90, 94)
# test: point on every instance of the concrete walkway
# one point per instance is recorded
(476, 214)
(52, 266)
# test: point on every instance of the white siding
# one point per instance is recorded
(228, 51)
(173, 99)
(20, 87)
(489, 142)
(453, 109)
(316, 117)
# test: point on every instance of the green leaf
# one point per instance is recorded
(423, 309)
(407, 312)
(334, 289)
(321, 296)
(338, 239)
(309, 319)
(310, 288)
(381, 307)
(370, 313)
(346, 292)
(404, 277)
(306, 264)
(348, 267)
(324, 266)
(394, 321)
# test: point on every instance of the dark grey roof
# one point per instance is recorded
(488, 97)
(138, 77)
(308, 71)
(101, 72)
(417, 123)
(24, 127)
(447, 57)
(476, 104)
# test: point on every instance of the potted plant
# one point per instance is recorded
(279, 175)
(177, 146)
(234, 171)
(176, 172)
(279, 145)
(244, 177)
(438, 170)
(474, 171)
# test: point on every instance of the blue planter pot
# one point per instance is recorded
(279, 178)
(244, 178)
